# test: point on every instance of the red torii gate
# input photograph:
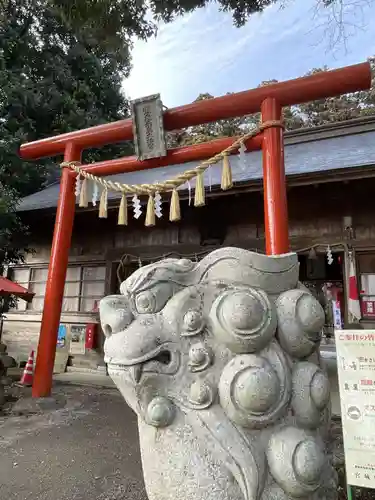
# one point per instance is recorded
(269, 100)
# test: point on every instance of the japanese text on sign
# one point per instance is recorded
(356, 370)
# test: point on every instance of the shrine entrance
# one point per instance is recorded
(147, 129)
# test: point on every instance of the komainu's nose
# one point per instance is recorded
(115, 314)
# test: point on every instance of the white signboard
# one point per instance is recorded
(356, 369)
(77, 339)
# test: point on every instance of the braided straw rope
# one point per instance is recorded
(179, 180)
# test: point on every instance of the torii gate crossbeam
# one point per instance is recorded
(269, 100)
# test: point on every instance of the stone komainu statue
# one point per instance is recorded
(219, 361)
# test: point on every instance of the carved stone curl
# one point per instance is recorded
(300, 322)
(215, 359)
(255, 389)
(200, 357)
(311, 394)
(296, 461)
(160, 412)
(243, 319)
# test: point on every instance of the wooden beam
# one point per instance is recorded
(308, 88)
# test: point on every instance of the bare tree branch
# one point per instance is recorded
(342, 19)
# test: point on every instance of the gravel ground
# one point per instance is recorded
(86, 451)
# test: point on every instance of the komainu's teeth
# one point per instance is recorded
(136, 372)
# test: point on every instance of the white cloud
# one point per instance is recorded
(204, 52)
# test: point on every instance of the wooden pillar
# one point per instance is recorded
(275, 202)
(62, 235)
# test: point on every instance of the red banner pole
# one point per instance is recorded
(275, 201)
(62, 235)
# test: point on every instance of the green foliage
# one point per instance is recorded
(12, 232)
(117, 22)
(50, 83)
(52, 80)
(114, 23)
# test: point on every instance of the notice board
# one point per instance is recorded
(356, 370)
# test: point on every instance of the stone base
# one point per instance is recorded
(32, 406)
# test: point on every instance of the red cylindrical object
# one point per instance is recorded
(274, 182)
(317, 86)
(91, 329)
(174, 157)
(56, 280)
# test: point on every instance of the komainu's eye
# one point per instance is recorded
(145, 302)
(153, 300)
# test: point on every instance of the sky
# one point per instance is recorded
(203, 52)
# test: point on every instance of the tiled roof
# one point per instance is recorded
(327, 148)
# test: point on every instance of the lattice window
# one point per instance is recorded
(84, 286)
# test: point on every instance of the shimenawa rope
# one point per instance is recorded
(170, 185)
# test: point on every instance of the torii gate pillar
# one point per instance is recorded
(274, 181)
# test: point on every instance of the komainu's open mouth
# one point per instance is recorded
(164, 360)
